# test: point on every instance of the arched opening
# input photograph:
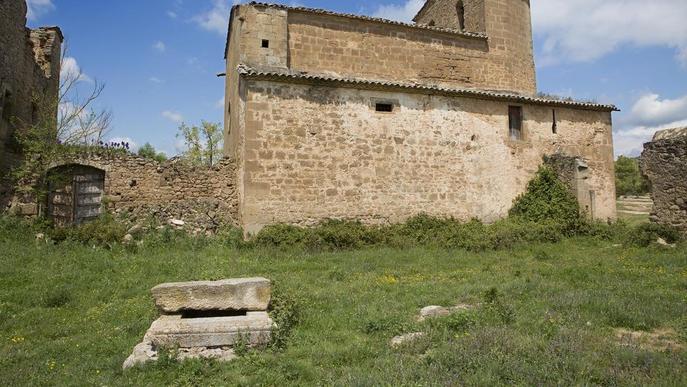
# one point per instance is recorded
(75, 194)
(460, 10)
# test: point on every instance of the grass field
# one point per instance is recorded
(70, 314)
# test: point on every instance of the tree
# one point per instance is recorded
(628, 177)
(149, 152)
(203, 143)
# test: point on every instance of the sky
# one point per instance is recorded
(158, 59)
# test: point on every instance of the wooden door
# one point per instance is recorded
(75, 194)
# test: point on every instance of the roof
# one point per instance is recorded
(669, 134)
(372, 84)
(474, 35)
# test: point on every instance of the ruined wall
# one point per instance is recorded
(315, 152)
(664, 162)
(326, 43)
(29, 69)
(138, 188)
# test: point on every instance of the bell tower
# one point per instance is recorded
(506, 23)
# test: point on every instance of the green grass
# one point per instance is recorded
(71, 314)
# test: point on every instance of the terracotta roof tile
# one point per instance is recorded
(302, 77)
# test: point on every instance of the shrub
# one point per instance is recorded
(547, 199)
(648, 233)
(285, 310)
(104, 231)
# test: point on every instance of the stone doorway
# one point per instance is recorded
(75, 194)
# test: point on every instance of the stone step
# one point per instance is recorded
(171, 331)
(635, 208)
(251, 294)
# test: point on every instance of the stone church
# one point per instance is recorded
(332, 115)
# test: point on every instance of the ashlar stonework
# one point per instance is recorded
(344, 116)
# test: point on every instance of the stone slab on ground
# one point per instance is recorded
(255, 328)
(145, 352)
(251, 294)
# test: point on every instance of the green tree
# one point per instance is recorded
(628, 177)
(149, 152)
(203, 143)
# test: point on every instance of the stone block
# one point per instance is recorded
(254, 328)
(251, 294)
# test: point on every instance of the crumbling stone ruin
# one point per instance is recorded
(140, 189)
(29, 72)
(343, 116)
(207, 319)
(664, 162)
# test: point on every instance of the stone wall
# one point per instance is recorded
(311, 152)
(29, 69)
(444, 14)
(664, 162)
(137, 188)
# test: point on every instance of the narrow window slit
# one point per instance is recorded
(554, 127)
(265, 43)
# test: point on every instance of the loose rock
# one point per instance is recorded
(406, 339)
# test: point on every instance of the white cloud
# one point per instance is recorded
(585, 30)
(160, 46)
(172, 14)
(651, 110)
(217, 18)
(401, 12)
(156, 80)
(133, 146)
(220, 103)
(37, 8)
(649, 114)
(71, 70)
(173, 116)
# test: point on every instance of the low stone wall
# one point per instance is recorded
(664, 162)
(137, 188)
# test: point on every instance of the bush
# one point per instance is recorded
(285, 310)
(648, 233)
(104, 231)
(547, 199)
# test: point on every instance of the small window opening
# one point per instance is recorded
(384, 107)
(432, 23)
(460, 9)
(515, 122)
(554, 126)
(265, 43)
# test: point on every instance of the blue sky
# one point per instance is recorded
(158, 58)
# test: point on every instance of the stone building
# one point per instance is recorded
(29, 71)
(664, 162)
(334, 115)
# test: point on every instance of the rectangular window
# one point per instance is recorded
(384, 107)
(265, 43)
(515, 122)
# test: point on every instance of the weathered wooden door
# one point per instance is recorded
(75, 194)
